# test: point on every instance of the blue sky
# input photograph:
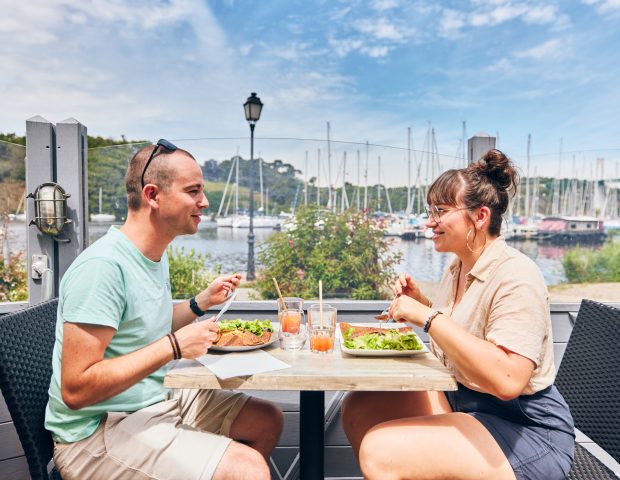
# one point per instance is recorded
(181, 69)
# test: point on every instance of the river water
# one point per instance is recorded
(229, 248)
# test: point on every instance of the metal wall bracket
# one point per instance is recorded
(39, 265)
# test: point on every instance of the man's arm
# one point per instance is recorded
(87, 378)
(214, 294)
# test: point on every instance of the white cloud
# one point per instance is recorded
(452, 21)
(382, 5)
(503, 65)
(604, 6)
(376, 52)
(382, 29)
(554, 48)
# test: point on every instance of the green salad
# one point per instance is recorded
(257, 327)
(389, 340)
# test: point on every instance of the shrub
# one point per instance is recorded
(189, 273)
(13, 279)
(347, 251)
(584, 265)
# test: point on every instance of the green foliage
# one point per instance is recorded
(13, 138)
(106, 170)
(13, 279)
(189, 273)
(347, 251)
(583, 265)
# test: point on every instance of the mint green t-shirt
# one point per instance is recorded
(112, 284)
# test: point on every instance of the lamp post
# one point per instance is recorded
(252, 107)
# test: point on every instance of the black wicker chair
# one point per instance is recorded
(26, 344)
(589, 379)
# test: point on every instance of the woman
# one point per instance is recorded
(490, 325)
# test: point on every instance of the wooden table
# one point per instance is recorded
(313, 374)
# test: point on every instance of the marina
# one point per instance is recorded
(228, 247)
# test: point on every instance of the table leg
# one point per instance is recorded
(311, 428)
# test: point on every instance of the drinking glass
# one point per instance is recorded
(292, 323)
(322, 330)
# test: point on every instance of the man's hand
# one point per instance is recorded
(196, 338)
(218, 290)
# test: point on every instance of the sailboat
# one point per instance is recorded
(101, 217)
(222, 219)
(17, 216)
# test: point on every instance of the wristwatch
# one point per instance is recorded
(193, 305)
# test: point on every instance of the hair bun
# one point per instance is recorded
(498, 169)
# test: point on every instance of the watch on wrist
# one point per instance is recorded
(193, 305)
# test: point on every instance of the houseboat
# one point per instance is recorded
(571, 228)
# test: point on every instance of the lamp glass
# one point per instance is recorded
(50, 208)
(253, 107)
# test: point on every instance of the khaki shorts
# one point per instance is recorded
(181, 438)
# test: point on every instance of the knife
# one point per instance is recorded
(226, 305)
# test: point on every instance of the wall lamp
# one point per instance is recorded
(50, 210)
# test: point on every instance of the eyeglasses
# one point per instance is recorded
(436, 212)
(161, 143)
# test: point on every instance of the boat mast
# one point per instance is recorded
(232, 166)
(318, 178)
(366, 180)
(357, 193)
(408, 209)
(306, 182)
(527, 184)
(329, 169)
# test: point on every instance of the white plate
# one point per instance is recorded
(379, 353)
(245, 348)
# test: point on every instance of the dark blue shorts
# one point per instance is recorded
(535, 432)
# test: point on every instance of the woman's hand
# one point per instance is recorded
(218, 291)
(407, 309)
(405, 285)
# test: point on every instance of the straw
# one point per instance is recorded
(321, 303)
(280, 294)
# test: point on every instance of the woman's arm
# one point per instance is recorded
(494, 369)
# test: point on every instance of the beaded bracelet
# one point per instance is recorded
(429, 320)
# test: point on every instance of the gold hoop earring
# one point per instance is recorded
(467, 242)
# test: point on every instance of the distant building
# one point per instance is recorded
(478, 145)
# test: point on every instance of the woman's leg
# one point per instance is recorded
(363, 410)
(446, 446)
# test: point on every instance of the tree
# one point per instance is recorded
(347, 251)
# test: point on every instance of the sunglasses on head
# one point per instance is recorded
(163, 144)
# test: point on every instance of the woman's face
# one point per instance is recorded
(450, 225)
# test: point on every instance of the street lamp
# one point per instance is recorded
(252, 107)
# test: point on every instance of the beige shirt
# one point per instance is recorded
(505, 302)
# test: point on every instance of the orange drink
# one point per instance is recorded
(290, 321)
(321, 343)
(321, 339)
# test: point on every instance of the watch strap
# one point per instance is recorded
(193, 305)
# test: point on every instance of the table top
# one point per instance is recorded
(332, 371)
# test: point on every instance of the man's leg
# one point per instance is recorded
(259, 425)
(153, 443)
(247, 420)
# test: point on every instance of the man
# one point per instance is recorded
(117, 329)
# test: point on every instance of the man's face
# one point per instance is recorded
(180, 205)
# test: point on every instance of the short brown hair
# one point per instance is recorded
(491, 181)
(160, 172)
